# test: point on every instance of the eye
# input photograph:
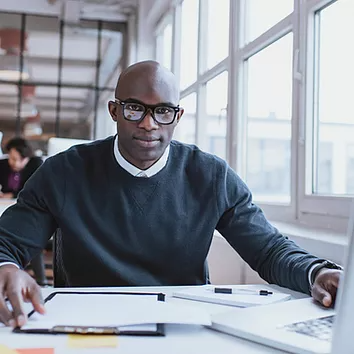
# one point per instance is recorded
(134, 107)
(163, 110)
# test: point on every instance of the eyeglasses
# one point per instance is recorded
(135, 111)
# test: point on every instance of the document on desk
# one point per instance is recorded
(126, 313)
(239, 296)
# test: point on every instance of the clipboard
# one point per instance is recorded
(99, 330)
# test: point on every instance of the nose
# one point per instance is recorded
(148, 123)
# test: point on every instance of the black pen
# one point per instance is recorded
(242, 291)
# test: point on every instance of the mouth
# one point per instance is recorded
(147, 142)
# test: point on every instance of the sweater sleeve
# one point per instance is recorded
(277, 259)
(26, 226)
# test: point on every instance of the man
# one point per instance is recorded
(140, 209)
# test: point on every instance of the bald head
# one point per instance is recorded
(148, 81)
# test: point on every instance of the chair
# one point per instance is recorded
(60, 278)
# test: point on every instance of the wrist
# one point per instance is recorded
(322, 267)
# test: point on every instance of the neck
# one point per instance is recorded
(141, 164)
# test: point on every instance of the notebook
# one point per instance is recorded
(244, 296)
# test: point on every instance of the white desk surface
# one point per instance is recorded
(179, 339)
(5, 203)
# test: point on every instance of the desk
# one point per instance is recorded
(179, 339)
(5, 203)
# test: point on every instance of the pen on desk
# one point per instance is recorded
(242, 291)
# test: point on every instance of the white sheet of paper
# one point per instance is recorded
(114, 310)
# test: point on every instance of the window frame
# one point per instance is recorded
(321, 211)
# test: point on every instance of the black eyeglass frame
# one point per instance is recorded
(147, 107)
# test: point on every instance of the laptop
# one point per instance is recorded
(300, 326)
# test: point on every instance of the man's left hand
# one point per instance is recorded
(325, 287)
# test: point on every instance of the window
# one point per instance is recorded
(261, 15)
(218, 31)
(216, 110)
(189, 42)
(269, 96)
(185, 130)
(267, 174)
(62, 86)
(289, 122)
(334, 112)
(164, 46)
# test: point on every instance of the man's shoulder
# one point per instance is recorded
(83, 152)
(193, 154)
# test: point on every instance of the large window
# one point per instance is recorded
(61, 87)
(269, 121)
(334, 112)
(279, 108)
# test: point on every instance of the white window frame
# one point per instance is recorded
(330, 212)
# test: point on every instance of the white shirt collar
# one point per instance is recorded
(137, 172)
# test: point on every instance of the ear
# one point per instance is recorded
(112, 108)
(180, 114)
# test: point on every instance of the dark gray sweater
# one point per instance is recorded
(118, 229)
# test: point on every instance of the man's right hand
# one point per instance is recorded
(18, 287)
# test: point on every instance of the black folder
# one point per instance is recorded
(69, 329)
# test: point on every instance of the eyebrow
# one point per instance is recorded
(158, 104)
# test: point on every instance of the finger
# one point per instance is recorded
(15, 297)
(5, 313)
(322, 296)
(34, 295)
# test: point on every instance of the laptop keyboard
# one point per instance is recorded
(320, 328)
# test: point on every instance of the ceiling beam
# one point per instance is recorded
(43, 7)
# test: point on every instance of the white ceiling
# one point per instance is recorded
(79, 58)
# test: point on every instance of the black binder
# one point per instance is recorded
(69, 329)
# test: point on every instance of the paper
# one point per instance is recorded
(205, 294)
(92, 341)
(113, 310)
(34, 351)
(6, 350)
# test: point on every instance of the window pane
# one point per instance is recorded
(269, 122)
(185, 130)
(216, 110)
(167, 46)
(334, 122)
(218, 40)
(189, 42)
(164, 46)
(263, 14)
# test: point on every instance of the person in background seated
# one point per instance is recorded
(17, 168)
(140, 209)
(14, 173)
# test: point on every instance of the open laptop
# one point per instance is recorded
(300, 326)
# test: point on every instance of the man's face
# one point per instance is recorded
(143, 142)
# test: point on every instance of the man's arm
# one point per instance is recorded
(243, 224)
(26, 226)
(24, 230)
